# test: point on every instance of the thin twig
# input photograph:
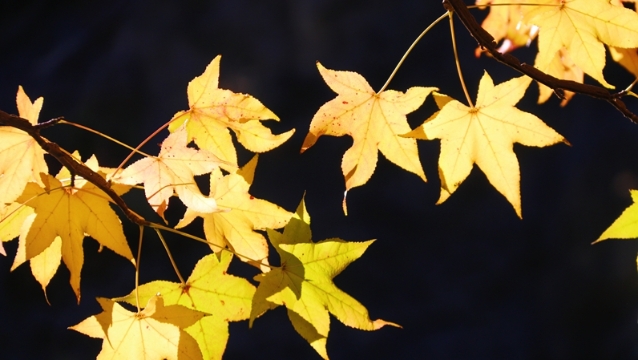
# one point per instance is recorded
(170, 256)
(157, 226)
(138, 147)
(137, 269)
(407, 52)
(486, 41)
(86, 128)
(71, 163)
(458, 62)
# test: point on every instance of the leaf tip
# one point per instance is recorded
(598, 240)
(343, 203)
(310, 140)
(379, 323)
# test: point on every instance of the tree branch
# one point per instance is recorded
(69, 162)
(486, 41)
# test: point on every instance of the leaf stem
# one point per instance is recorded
(104, 136)
(138, 147)
(196, 238)
(137, 269)
(396, 68)
(170, 256)
(631, 86)
(456, 60)
(486, 41)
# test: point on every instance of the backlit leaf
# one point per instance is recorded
(303, 284)
(243, 214)
(21, 158)
(157, 332)
(173, 170)
(214, 111)
(373, 120)
(485, 135)
(211, 290)
(70, 213)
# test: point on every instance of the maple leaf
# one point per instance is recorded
(45, 264)
(373, 120)
(70, 213)
(154, 333)
(581, 27)
(235, 228)
(213, 111)
(21, 158)
(505, 23)
(12, 216)
(485, 135)
(561, 67)
(627, 58)
(304, 284)
(173, 170)
(626, 225)
(211, 290)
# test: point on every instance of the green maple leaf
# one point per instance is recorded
(626, 226)
(304, 284)
(211, 290)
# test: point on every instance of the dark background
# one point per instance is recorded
(466, 279)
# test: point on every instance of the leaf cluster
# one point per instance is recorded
(51, 215)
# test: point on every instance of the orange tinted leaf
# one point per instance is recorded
(506, 23)
(372, 120)
(173, 170)
(214, 111)
(628, 58)
(561, 67)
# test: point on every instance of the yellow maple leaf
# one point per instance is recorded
(21, 158)
(211, 290)
(561, 67)
(506, 23)
(235, 227)
(154, 333)
(45, 264)
(303, 283)
(173, 170)
(627, 58)
(485, 135)
(372, 120)
(11, 218)
(69, 213)
(213, 111)
(581, 27)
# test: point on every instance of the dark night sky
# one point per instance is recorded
(466, 279)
